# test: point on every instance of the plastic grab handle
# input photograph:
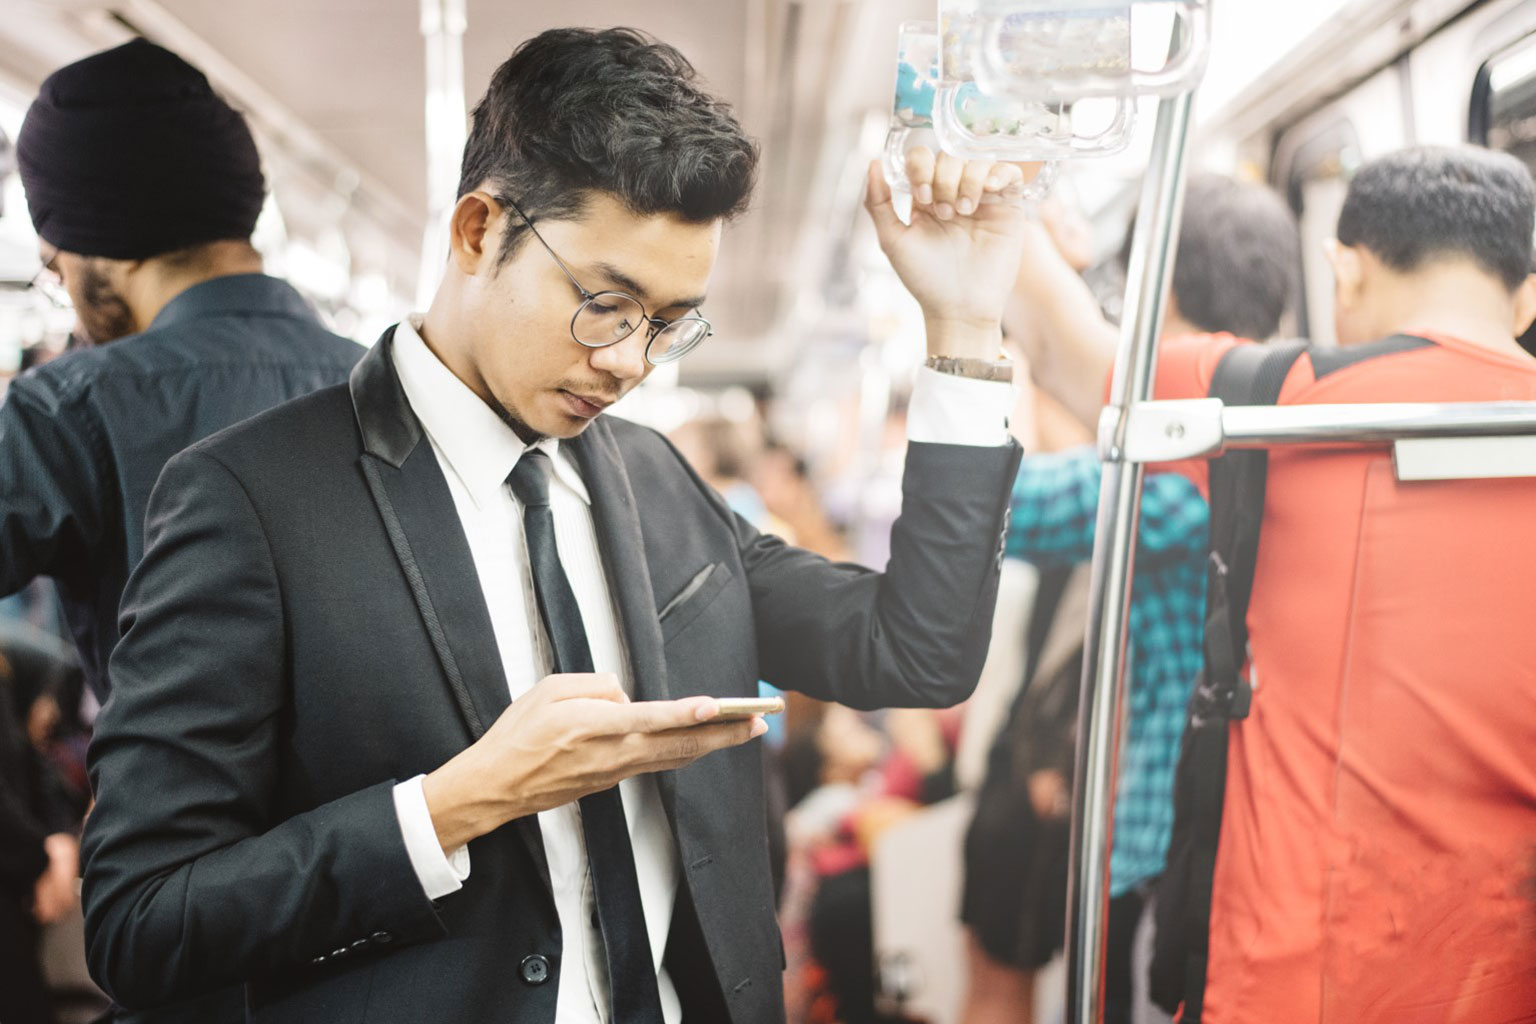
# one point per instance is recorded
(1007, 25)
(1014, 131)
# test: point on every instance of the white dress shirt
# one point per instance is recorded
(476, 451)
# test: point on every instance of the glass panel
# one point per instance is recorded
(1512, 102)
(1506, 92)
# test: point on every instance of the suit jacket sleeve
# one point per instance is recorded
(913, 636)
(195, 878)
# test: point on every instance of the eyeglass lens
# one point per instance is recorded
(676, 339)
(606, 318)
(609, 317)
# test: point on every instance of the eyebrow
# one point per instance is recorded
(629, 284)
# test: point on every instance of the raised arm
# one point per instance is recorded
(913, 636)
(1068, 342)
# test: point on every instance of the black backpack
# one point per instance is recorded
(1246, 375)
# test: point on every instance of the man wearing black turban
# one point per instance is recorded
(144, 187)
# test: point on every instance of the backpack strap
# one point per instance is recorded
(1247, 375)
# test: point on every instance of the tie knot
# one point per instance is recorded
(530, 478)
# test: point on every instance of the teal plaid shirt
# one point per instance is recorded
(1051, 524)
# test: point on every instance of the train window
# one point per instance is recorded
(1503, 114)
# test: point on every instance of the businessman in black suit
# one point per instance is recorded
(419, 676)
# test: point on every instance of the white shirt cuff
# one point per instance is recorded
(438, 873)
(950, 409)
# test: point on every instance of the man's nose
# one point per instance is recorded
(624, 359)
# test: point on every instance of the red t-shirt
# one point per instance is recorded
(1378, 843)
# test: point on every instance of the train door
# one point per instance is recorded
(1502, 110)
(1314, 159)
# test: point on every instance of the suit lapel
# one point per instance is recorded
(423, 525)
(448, 593)
(616, 518)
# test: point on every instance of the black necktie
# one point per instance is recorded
(632, 987)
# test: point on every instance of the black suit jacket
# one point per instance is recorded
(307, 628)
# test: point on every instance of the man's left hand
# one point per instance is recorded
(959, 256)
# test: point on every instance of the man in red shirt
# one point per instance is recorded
(1380, 813)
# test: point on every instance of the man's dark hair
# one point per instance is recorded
(1430, 202)
(576, 111)
(1238, 260)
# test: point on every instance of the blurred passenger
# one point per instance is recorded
(39, 853)
(723, 451)
(144, 187)
(784, 480)
(1380, 795)
(870, 779)
(1233, 274)
(1013, 901)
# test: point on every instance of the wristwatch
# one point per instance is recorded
(1000, 370)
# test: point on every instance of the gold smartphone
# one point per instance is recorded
(734, 708)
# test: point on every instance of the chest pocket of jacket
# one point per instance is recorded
(690, 602)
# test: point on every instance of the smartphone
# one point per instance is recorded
(734, 708)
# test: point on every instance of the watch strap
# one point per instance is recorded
(999, 370)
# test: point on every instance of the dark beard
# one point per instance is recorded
(104, 314)
(525, 433)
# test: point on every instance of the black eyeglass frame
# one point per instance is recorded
(655, 324)
(49, 283)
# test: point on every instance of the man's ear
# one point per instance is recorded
(474, 234)
(1348, 263)
(1525, 305)
(139, 283)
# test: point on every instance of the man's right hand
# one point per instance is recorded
(569, 736)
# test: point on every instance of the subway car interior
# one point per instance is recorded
(1060, 741)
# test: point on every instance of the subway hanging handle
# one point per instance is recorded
(912, 124)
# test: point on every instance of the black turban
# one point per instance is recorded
(128, 154)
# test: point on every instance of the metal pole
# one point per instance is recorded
(1152, 249)
(442, 27)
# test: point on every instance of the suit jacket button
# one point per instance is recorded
(361, 944)
(382, 938)
(535, 969)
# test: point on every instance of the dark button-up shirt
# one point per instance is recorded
(83, 438)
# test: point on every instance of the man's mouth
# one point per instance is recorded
(586, 406)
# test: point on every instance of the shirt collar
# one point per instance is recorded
(234, 293)
(479, 447)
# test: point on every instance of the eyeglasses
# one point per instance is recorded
(47, 283)
(607, 318)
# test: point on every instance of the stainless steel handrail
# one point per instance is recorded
(1190, 428)
(1152, 247)
(1260, 427)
